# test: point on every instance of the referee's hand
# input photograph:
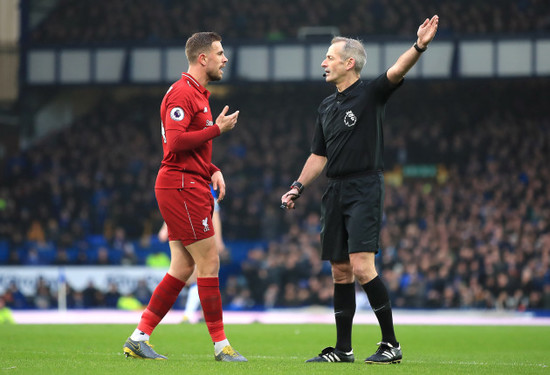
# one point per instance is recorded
(287, 200)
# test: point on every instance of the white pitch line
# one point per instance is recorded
(474, 363)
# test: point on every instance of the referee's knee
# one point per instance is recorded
(365, 273)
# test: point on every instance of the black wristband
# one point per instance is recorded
(418, 49)
(298, 185)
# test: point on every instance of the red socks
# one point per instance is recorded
(167, 292)
(162, 300)
(211, 302)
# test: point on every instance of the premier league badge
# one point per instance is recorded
(350, 119)
(177, 114)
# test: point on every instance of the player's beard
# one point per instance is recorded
(214, 76)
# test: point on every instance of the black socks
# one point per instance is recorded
(344, 310)
(381, 305)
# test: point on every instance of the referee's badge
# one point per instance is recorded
(177, 114)
(350, 119)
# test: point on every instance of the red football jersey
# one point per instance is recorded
(187, 131)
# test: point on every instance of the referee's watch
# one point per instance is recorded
(298, 185)
(418, 49)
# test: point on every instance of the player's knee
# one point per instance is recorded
(208, 268)
(181, 272)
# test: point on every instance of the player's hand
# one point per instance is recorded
(287, 200)
(426, 31)
(163, 233)
(218, 183)
(226, 123)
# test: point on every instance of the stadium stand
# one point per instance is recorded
(467, 219)
(104, 21)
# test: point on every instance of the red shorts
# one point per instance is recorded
(187, 213)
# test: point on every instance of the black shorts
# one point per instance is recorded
(351, 216)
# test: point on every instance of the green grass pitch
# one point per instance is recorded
(273, 349)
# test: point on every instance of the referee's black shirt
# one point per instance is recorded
(349, 127)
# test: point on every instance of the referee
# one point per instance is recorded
(349, 141)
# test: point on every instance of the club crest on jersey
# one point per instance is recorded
(177, 114)
(205, 109)
(350, 119)
(205, 224)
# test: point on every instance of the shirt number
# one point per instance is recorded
(163, 132)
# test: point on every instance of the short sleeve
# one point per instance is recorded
(179, 111)
(318, 146)
(384, 87)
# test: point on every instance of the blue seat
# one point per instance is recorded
(4, 252)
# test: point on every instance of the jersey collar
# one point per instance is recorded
(344, 94)
(193, 82)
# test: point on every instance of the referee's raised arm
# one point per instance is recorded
(426, 33)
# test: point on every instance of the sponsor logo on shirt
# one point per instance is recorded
(177, 114)
(209, 122)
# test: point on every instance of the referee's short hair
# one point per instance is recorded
(200, 43)
(352, 48)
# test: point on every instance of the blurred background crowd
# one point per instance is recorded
(475, 233)
(93, 21)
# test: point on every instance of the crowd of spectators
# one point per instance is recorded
(46, 297)
(100, 21)
(84, 180)
(475, 236)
